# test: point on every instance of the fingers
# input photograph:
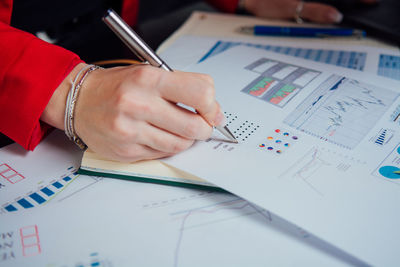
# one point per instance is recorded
(320, 13)
(179, 121)
(194, 90)
(163, 141)
(137, 153)
(139, 140)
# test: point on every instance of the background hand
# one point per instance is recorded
(286, 9)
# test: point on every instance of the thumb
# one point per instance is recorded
(320, 13)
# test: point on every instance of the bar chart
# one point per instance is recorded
(41, 195)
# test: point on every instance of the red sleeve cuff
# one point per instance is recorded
(225, 5)
(30, 71)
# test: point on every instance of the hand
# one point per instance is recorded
(286, 9)
(129, 113)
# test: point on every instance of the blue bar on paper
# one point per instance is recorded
(25, 203)
(96, 263)
(67, 179)
(47, 191)
(38, 198)
(57, 185)
(10, 208)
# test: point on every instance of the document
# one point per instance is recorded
(91, 221)
(318, 145)
(379, 61)
(32, 179)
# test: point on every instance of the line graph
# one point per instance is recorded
(306, 167)
(341, 111)
(218, 211)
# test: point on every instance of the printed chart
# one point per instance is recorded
(390, 166)
(278, 141)
(208, 215)
(310, 169)
(21, 242)
(278, 82)
(389, 66)
(395, 116)
(341, 111)
(348, 59)
(94, 260)
(37, 192)
(41, 195)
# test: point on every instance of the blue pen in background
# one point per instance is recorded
(301, 31)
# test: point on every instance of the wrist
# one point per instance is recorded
(54, 112)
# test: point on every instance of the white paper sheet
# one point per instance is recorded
(188, 50)
(108, 222)
(321, 155)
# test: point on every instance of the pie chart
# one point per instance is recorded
(388, 172)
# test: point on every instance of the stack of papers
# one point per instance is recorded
(313, 176)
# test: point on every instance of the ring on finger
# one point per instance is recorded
(299, 9)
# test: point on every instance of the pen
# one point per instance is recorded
(301, 31)
(145, 53)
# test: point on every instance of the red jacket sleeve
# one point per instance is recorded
(30, 71)
(225, 5)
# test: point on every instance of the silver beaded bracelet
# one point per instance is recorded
(70, 104)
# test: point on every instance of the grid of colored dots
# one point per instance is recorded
(278, 142)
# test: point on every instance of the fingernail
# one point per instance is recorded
(335, 16)
(220, 119)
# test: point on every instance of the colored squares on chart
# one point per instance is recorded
(278, 141)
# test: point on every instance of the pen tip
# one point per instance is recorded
(229, 137)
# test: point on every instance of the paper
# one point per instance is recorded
(48, 175)
(110, 222)
(380, 61)
(318, 146)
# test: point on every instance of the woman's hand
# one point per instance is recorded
(286, 9)
(129, 113)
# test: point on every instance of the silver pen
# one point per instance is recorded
(145, 53)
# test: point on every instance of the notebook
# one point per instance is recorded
(149, 171)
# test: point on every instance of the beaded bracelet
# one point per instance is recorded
(70, 104)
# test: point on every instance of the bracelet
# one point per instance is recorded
(70, 105)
